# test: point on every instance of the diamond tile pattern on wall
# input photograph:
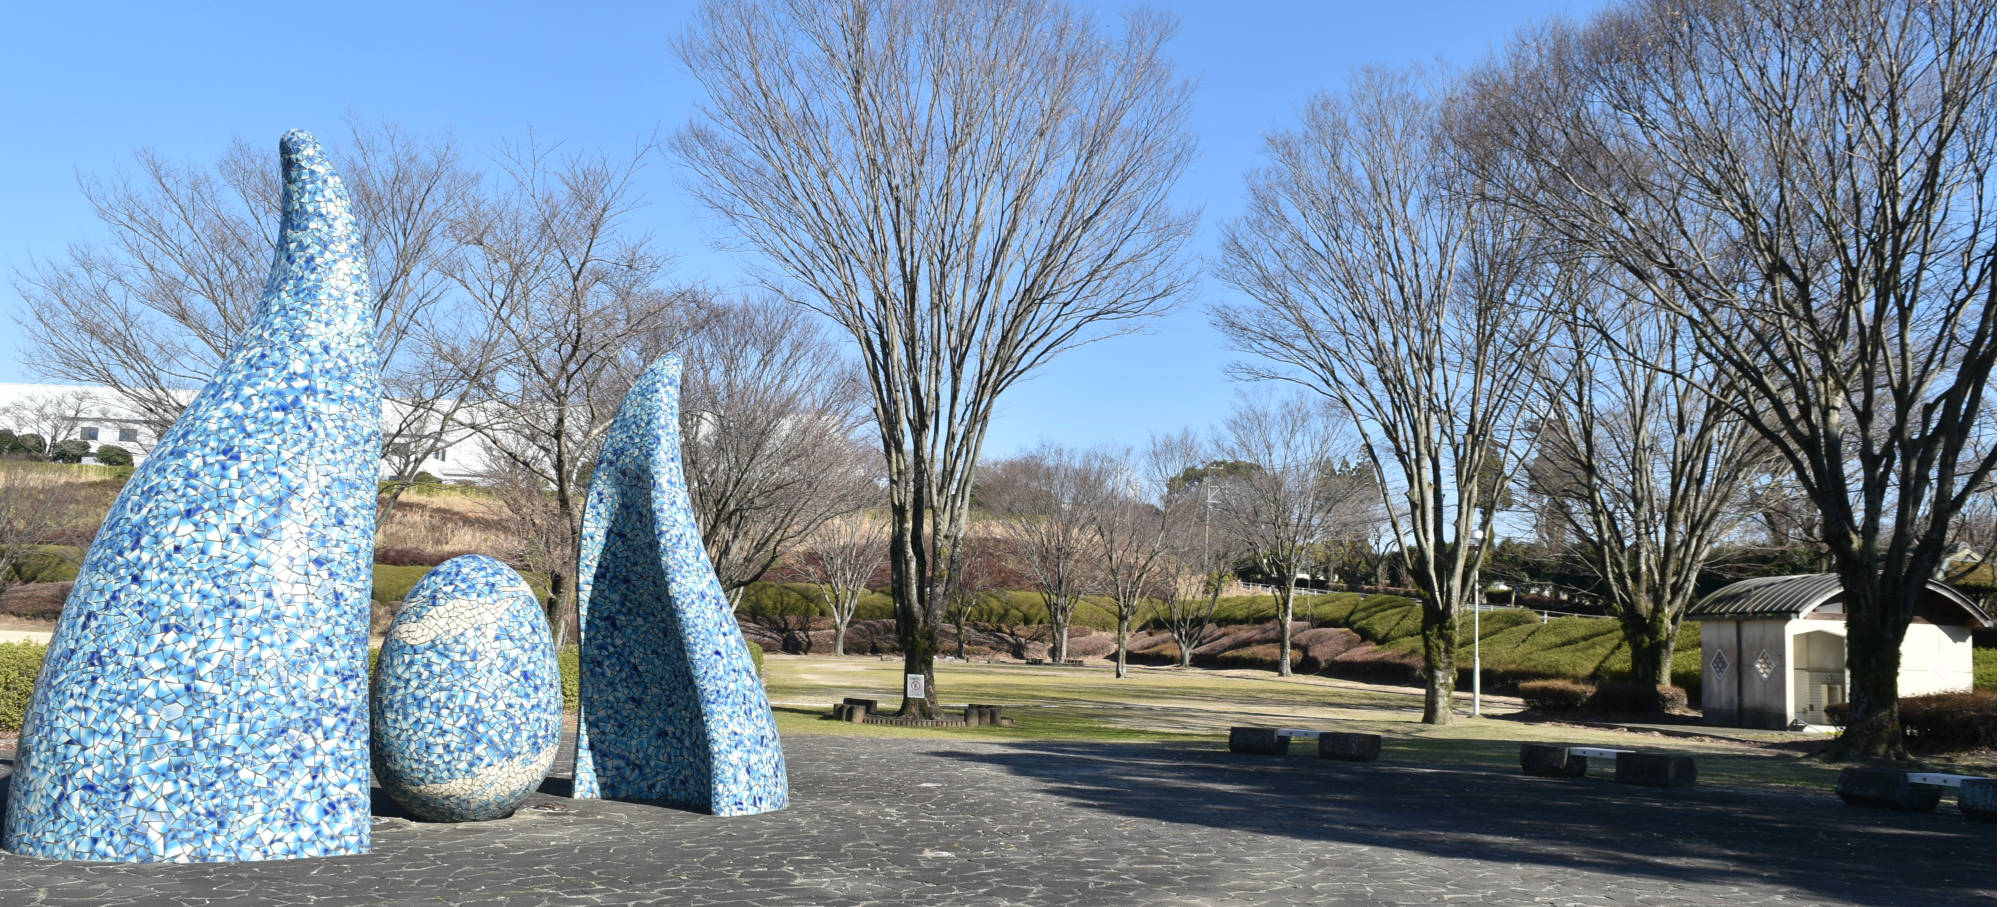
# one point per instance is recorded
(205, 694)
(672, 708)
(467, 704)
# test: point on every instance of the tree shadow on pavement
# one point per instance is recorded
(1808, 841)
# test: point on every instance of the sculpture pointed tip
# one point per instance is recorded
(298, 143)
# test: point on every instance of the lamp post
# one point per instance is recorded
(1480, 597)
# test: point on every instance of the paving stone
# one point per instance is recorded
(1111, 824)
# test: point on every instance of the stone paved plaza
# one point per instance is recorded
(912, 821)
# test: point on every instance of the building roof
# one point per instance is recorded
(1788, 597)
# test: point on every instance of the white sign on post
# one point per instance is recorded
(914, 686)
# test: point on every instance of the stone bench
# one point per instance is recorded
(1259, 741)
(1654, 769)
(868, 705)
(1915, 792)
(845, 712)
(1551, 760)
(1349, 747)
(978, 715)
(1977, 799)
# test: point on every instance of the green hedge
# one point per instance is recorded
(19, 663)
(1984, 667)
(393, 583)
(48, 564)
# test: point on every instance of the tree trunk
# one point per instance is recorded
(1060, 639)
(917, 630)
(1875, 730)
(1125, 624)
(1651, 640)
(1286, 629)
(841, 634)
(1439, 639)
(1188, 652)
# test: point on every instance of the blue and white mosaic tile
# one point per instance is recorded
(205, 695)
(672, 708)
(467, 705)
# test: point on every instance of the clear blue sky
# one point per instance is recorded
(86, 83)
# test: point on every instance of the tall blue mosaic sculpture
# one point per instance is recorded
(672, 708)
(205, 696)
(467, 704)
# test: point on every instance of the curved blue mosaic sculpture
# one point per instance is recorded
(467, 705)
(205, 695)
(672, 708)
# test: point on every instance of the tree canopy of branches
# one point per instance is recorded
(843, 559)
(1813, 182)
(1296, 492)
(1137, 530)
(968, 188)
(565, 306)
(151, 313)
(769, 417)
(1051, 502)
(1375, 281)
(1645, 465)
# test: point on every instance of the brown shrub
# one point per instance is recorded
(1245, 638)
(1555, 695)
(414, 557)
(1367, 662)
(1092, 645)
(1940, 722)
(1264, 657)
(1627, 698)
(39, 601)
(1320, 647)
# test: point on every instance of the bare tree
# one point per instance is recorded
(1648, 468)
(564, 307)
(1050, 501)
(36, 505)
(1136, 531)
(1205, 555)
(152, 314)
(1814, 182)
(44, 424)
(969, 188)
(842, 559)
(1299, 491)
(1374, 280)
(769, 418)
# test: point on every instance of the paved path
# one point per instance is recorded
(903, 821)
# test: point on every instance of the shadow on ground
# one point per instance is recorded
(1713, 835)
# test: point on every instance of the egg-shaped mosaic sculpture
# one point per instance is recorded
(467, 705)
(672, 708)
(205, 695)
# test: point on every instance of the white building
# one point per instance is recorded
(1775, 649)
(98, 416)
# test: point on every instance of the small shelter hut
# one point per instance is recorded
(1775, 649)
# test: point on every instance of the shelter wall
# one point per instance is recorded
(1936, 659)
(1740, 696)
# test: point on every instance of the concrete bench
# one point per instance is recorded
(852, 713)
(1915, 792)
(868, 705)
(1654, 769)
(1260, 741)
(1348, 747)
(1554, 760)
(978, 715)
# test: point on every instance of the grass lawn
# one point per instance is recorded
(1198, 707)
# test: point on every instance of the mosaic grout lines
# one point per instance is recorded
(672, 708)
(203, 698)
(467, 704)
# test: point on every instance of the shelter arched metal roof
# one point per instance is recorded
(1788, 597)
